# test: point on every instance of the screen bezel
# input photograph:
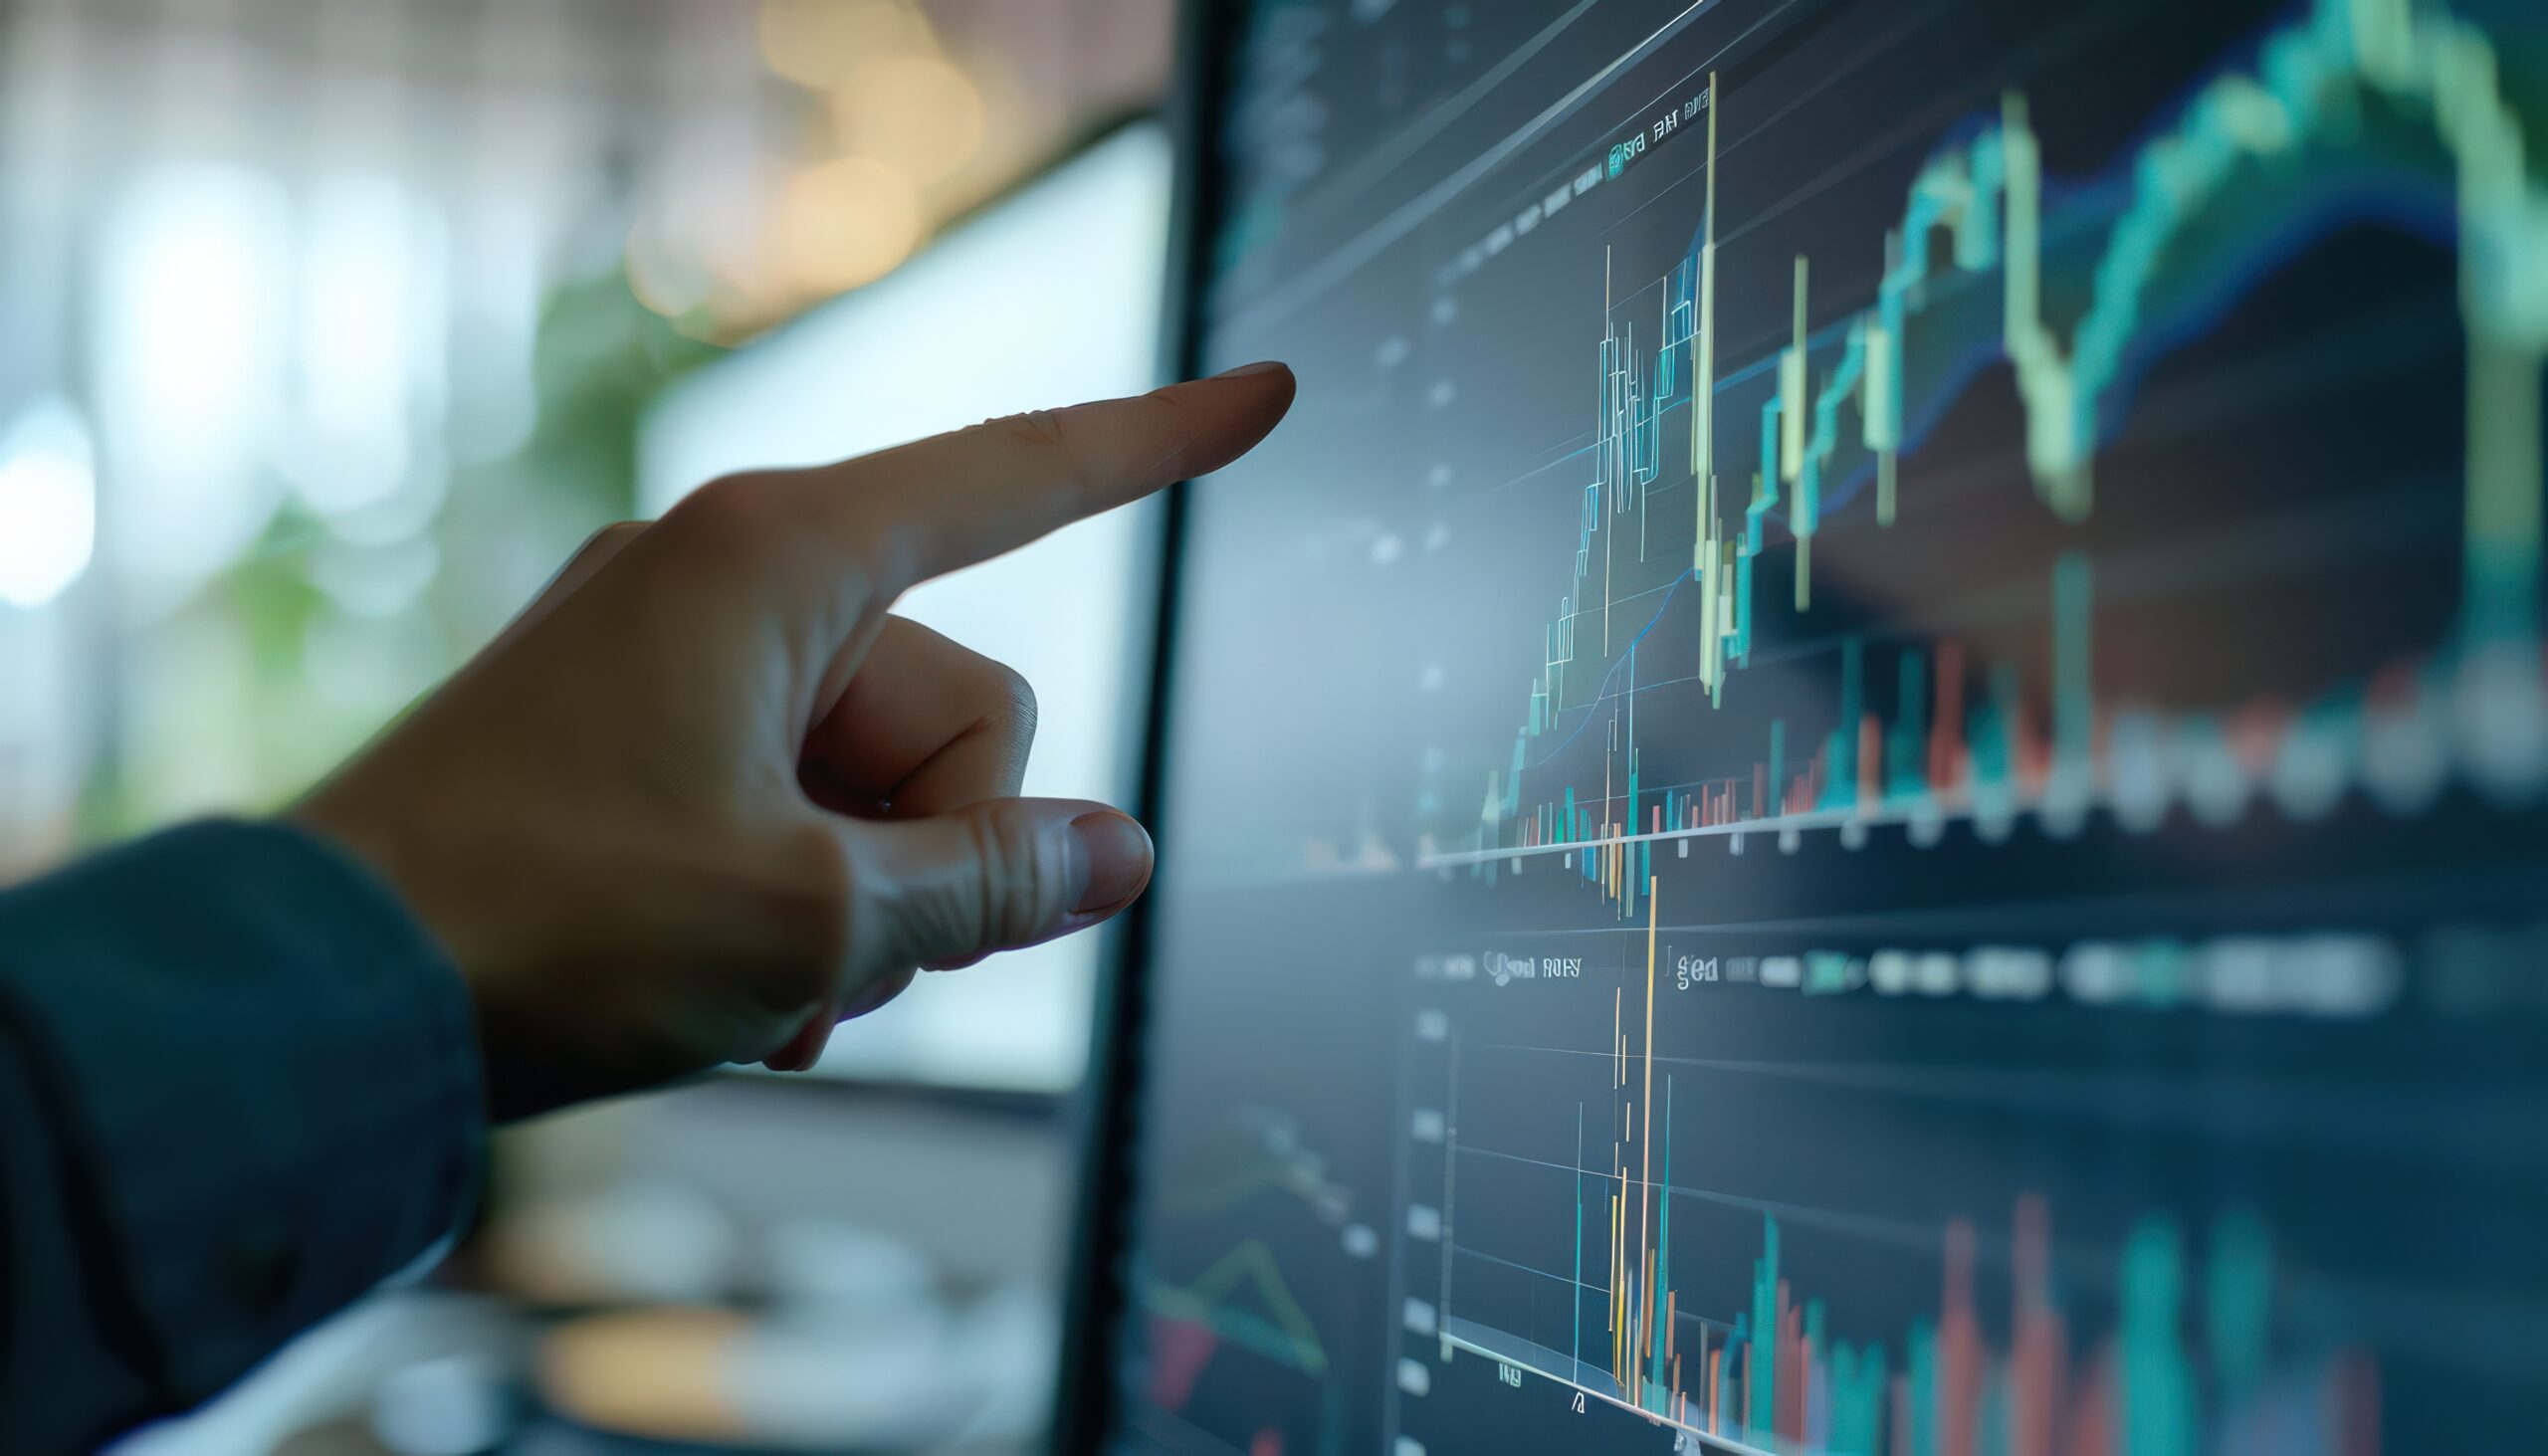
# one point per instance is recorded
(1085, 1390)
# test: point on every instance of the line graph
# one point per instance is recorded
(1283, 1332)
(2246, 171)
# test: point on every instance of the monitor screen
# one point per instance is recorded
(1866, 774)
(1048, 296)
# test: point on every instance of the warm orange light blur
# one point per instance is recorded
(654, 1372)
(844, 223)
(920, 114)
(816, 43)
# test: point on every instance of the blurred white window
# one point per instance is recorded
(1047, 298)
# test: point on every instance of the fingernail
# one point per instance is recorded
(1119, 859)
(796, 1055)
(1250, 371)
(813, 1052)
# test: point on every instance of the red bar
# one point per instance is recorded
(1960, 1355)
(2038, 1358)
(1716, 1358)
(1789, 1420)
(2092, 1419)
(1871, 761)
(2357, 1402)
(2256, 733)
(2031, 754)
(1946, 744)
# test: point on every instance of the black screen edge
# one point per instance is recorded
(1084, 1386)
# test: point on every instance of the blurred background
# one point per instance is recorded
(331, 329)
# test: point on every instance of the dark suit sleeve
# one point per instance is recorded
(238, 1087)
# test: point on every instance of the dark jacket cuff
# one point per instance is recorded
(266, 1068)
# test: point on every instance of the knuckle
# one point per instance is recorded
(1040, 427)
(1168, 409)
(759, 526)
(1016, 697)
(1053, 432)
(810, 912)
(614, 535)
(866, 533)
(1015, 879)
(730, 519)
(890, 554)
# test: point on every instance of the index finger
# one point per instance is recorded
(966, 496)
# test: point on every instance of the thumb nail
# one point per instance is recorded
(1118, 855)
(1250, 371)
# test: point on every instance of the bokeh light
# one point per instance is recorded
(657, 1371)
(920, 114)
(844, 223)
(814, 43)
(48, 503)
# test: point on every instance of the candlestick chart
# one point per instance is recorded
(2169, 1339)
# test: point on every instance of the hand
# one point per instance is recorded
(707, 796)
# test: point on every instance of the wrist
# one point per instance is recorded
(336, 817)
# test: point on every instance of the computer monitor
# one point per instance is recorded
(1867, 773)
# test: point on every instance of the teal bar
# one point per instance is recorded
(1840, 749)
(1723, 1404)
(1663, 1253)
(2238, 1304)
(2158, 1387)
(1923, 1372)
(1906, 771)
(2074, 710)
(1763, 1352)
(1770, 449)
(1743, 601)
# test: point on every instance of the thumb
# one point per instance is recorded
(992, 875)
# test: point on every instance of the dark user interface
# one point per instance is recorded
(1869, 772)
